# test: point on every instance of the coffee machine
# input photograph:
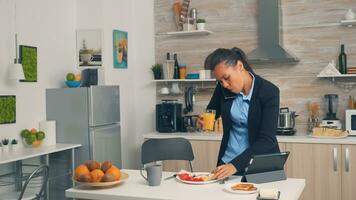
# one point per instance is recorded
(331, 103)
(169, 116)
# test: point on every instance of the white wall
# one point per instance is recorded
(50, 25)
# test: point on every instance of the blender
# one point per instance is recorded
(331, 121)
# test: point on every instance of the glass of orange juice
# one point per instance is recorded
(208, 119)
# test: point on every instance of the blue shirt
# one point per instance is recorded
(238, 139)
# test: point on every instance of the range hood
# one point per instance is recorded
(270, 49)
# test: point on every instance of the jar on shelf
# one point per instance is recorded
(182, 71)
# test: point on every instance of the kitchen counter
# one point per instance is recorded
(285, 139)
(136, 188)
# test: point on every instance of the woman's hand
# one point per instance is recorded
(200, 122)
(223, 171)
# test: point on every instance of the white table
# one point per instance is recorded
(136, 188)
(25, 153)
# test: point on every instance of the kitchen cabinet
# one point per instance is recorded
(205, 157)
(348, 172)
(320, 166)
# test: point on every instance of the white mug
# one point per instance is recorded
(87, 57)
(164, 90)
(154, 175)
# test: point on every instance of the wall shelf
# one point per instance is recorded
(348, 23)
(188, 33)
(185, 80)
(346, 81)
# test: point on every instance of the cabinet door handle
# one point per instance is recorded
(335, 158)
(347, 160)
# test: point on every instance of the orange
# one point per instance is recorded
(36, 143)
(115, 172)
(96, 175)
(81, 170)
(33, 131)
(77, 77)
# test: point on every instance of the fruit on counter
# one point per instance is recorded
(32, 137)
(92, 164)
(77, 77)
(96, 175)
(70, 77)
(93, 171)
(106, 165)
(115, 172)
(25, 133)
(40, 135)
(81, 170)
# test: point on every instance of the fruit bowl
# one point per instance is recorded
(27, 143)
(73, 84)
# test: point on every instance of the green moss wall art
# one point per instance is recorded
(28, 57)
(7, 109)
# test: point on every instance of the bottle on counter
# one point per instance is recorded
(342, 60)
(176, 67)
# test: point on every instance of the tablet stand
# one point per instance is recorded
(264, 177)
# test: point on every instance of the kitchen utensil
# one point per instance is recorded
(286, 122)
(331, 103)
(194, 15)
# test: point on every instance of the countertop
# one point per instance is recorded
(136, 188)
(286, 139)
(25, 153)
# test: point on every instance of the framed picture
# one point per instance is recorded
(7, 109)
(89, 48)
(120, 49)
(28, 58)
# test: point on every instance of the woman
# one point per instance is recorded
(249, 107)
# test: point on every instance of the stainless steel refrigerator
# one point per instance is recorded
(89, 116)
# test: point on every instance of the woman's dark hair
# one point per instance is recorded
(228, 56)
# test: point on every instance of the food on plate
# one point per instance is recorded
(93, 171)
(244, 187)
(114, 171)
(328, 132)
(92, 164)
(96, 175)
(81, 170)
(106, 165)
(188, 176)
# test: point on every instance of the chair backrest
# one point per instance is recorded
(41, 171)
(166, 149)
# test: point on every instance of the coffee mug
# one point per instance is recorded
(87, 57)
(154, 175)
(164, 90)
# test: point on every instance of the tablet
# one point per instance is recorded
(266, 163)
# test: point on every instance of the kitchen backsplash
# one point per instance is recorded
(309, 30)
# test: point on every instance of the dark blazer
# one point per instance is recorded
(262, 120)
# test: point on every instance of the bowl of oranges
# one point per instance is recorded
(95, 174)
(32, 138)
(73, 80)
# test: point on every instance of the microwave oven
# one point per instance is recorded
(350, 121)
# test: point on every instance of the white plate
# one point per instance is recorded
(228, 186)
(197, 182)
(124, 176)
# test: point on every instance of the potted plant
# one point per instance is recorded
(5, 145)
(14, 144)
(157, 71)
(201, 24)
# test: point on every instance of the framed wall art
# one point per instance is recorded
(28, 58)
(7, 109)
(120, 49)
(89, 48)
